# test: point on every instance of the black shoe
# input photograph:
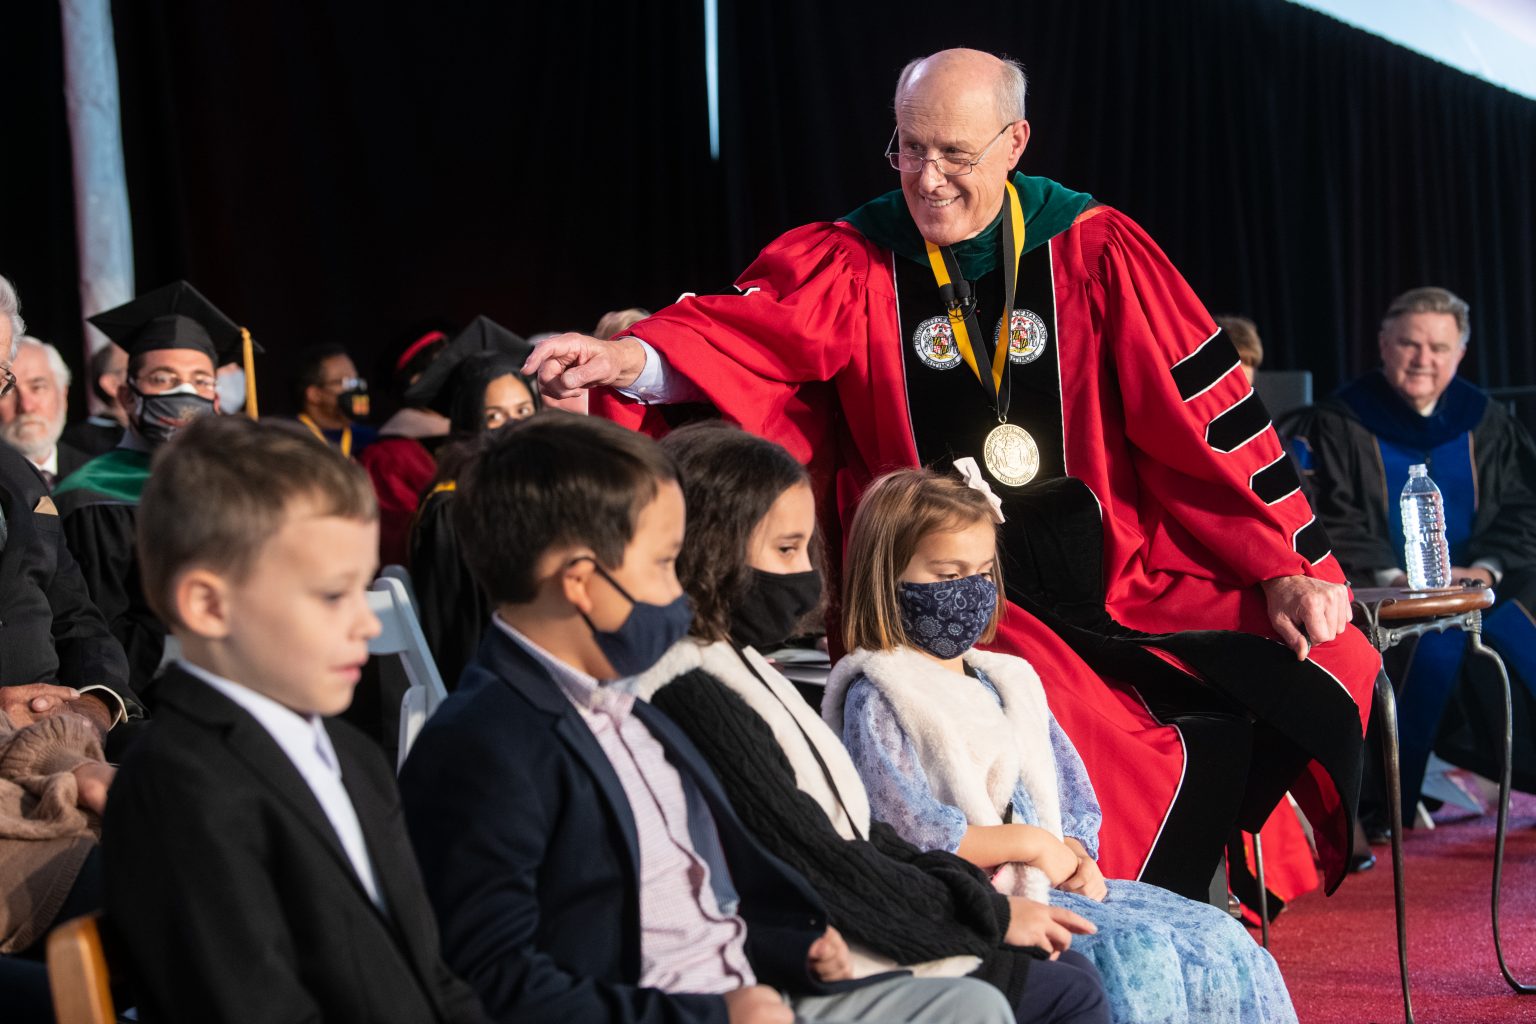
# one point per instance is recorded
(1361, 862)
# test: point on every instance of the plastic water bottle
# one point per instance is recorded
(1424, 549)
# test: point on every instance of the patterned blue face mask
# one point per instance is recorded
(946, 618)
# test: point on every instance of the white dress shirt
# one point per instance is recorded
(304, 739)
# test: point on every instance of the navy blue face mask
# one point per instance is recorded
(648, 633)
(946, 618)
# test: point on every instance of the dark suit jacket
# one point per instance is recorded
(50, 632)
(529, 848)
(232, 895)
(92, 436)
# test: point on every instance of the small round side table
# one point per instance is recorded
(1390, 615)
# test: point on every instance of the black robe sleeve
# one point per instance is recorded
(1348, 491)
(89, 654)
(101, 538)
(1505, 528)
(454, 611)
(883, 894)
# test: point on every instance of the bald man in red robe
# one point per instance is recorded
(1166, 576)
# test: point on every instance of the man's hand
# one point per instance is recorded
(96, 711)
(1087, 880)
(92, 780)
(568, 364)
(828, 957)
(757, 1004)
(1044, 927)
(1306, 612)
(1476, 573)
(26, 703)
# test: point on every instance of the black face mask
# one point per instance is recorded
(773, 606)
(354, 404)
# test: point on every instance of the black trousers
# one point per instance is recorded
(1067, 990)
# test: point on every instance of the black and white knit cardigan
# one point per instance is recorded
(898, 906)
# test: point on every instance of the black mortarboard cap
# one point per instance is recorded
(175, 316)
(178, 316)
(435, 390)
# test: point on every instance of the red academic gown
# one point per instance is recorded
(401, 469)
(809, 355)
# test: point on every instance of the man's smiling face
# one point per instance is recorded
(1419, 356)
(950, 109)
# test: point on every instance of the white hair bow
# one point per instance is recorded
(971, 474)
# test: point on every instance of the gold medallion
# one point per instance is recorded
(1011, 455)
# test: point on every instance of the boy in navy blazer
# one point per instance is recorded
(584, 863)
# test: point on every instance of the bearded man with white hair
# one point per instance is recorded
(1165, 574)
(33, 413)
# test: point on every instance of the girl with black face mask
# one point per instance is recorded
(750, 565)
(960, 752)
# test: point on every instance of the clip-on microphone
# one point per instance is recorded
(957, 296)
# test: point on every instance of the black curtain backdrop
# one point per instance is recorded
(330, 170)
(353, 172)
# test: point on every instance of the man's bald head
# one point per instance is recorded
(960, 69)
(960, 130)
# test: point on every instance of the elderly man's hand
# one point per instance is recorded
(1305, 611)
(28, 702)
(93, 779)
(568, 364)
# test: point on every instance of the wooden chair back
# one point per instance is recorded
(77, 973)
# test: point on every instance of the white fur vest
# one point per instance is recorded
(973, 752)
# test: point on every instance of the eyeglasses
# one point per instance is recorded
(950, 167)
(347, 384)
(160, 381)
(7, 381)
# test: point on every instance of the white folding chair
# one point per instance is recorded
(401, 634)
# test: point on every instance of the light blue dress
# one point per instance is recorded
(1164, 959)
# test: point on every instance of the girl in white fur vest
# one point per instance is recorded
(959, 751)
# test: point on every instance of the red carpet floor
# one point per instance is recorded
(1339, 954)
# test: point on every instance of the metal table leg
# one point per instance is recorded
(1502, 829)
(1258, 860)
(1386, 703)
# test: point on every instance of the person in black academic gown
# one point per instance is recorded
(100, 432)
(175, 339)
(476, 382)
(1356, 447)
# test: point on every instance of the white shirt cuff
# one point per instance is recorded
(1384, 577)
(108, 697)
(651, 386)
(657, 384)
(1493, 565)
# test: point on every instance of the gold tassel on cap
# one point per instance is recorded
(248, 354)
